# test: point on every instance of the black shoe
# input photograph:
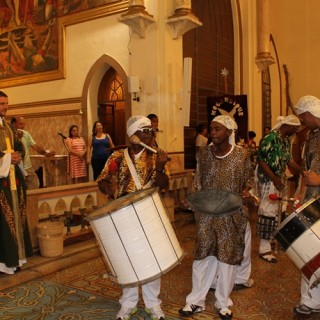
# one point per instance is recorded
(225, 314)
(190, 309)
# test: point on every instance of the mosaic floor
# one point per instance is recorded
(275, 293)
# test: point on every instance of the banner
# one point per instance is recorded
(234, 106)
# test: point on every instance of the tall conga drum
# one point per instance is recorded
(299, 235)
(136, 237)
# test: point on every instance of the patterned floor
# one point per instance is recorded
(275, 293)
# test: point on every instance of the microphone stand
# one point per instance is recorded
(63, 138)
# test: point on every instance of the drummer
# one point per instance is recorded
(126, 171)
(220, 239)
(273, 159)
(308, 109)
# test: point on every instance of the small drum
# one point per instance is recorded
(215, 202)
(299, 235)
(136, 237)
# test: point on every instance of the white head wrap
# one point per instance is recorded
(291, 119)
(135, 123)
(229, 123)
(308, 103)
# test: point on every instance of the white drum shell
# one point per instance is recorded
(138, 241)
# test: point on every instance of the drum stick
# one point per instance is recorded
(135, 140)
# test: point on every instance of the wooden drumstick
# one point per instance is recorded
(135, 140)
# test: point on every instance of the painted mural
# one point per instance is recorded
(31, 38)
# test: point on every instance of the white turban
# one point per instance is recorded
(308, 103)
(135, 123)
(291, 119)
(229, 123)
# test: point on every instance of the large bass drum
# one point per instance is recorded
(136, 238)
(299, 235)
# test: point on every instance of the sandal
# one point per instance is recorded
(303, 309)
(268, 257)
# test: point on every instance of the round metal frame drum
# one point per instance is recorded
(215, 202)
(299, 235)
(136, 238)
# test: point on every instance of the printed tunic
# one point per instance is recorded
(275, 151)
(222, 236)
(311, 161)
(116, 171)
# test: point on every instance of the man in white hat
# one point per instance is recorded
(273, 158)
(308, 109)
(220, 238)
(126, 171)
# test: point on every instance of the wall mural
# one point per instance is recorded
(32, 36)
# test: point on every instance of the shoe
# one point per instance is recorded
(268, 257)
(303, 309)
(225, 314)
(155, 313)
(244, 285)
(126, 313)
(190, 309)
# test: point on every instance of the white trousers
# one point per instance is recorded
(310, 297)
(268, 208)
(150, 293)
(243, 271)
(203, 273)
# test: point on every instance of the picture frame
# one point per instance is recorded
(33, 50)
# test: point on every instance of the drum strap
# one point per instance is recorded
(132, 169)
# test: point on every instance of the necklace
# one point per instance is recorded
(225, 155)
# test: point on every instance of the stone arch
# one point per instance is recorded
(91, 85)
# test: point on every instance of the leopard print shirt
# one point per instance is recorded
(311, 161)
(222, 236)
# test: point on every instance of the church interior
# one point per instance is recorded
(69, 63)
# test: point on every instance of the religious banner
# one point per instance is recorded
(234, 106)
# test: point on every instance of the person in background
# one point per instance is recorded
(273, 158)
(15, 242)
(202, 137)
(126, 171)
(99, 149)
(252, 147)
(76, 146)
(31, 178)
(221, 165)
(308, 109)
(155, 125)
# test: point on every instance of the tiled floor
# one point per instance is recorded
(275, 293)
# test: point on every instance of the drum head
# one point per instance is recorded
(215, 201)
(120, 203)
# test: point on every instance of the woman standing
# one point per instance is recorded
(99, 146)
(77, 149)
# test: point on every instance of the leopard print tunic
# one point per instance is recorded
(222, 236)
(311, 161)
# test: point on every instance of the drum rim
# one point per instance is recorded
(123, 203)
(217, 190)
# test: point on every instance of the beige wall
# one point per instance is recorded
(157, 60)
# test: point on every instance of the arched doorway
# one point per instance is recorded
(111, 106)
(103, 92)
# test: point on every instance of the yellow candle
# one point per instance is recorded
(9, 149)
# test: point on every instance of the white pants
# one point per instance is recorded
(243, 271)
(203, 273)
(150, 293)
(268, 208)
(310, 297)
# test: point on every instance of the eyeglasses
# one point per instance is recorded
(146, 130)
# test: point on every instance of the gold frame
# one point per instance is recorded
(68, 20)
